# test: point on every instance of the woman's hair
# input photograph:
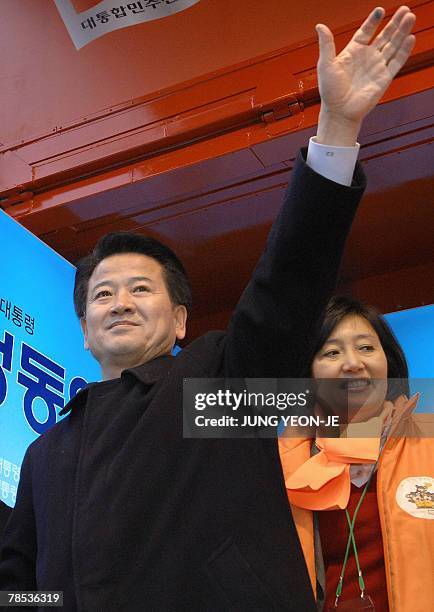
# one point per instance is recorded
(340, 307)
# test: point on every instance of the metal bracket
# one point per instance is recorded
(282, 110)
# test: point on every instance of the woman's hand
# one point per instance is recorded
(352, 82)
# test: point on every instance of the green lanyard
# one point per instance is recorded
(352, 540)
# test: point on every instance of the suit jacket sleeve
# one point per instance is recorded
(18, 551)
(271, 330)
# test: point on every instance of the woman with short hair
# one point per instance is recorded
(363, 506)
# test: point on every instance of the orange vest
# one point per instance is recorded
(405, 493)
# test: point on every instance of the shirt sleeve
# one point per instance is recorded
(335, 163)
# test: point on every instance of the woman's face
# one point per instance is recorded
(353, 356)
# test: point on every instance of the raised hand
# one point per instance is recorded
(352, 82)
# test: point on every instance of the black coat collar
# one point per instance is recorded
(151, 371)
(148, 373)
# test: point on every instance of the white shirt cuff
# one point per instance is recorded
(334, 163)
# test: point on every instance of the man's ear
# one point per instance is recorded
(180, 321)
(83, 325)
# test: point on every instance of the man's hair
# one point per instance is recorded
(340, 307)
(115, 243)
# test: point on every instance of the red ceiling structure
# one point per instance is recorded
(186, 128)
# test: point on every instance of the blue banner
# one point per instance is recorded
(42, 360)
(414, 329)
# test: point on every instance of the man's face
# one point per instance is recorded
(130, 318)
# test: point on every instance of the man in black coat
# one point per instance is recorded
(114, 507)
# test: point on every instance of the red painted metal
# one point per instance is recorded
(186, 128)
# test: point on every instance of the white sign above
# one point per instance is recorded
(110, 15)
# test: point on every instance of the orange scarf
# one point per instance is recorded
(323, 481)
